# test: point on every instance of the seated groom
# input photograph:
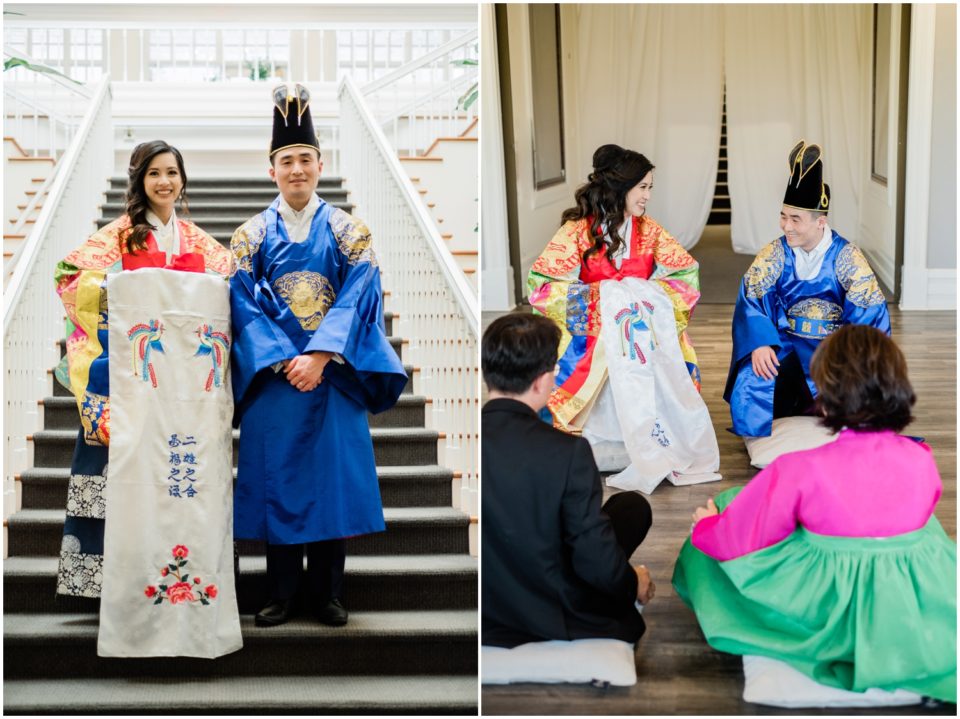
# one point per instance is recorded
(799, 289)
(555, 563)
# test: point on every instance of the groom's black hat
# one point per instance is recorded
(292, 124)
(806, 189)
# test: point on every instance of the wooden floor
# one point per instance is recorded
(677, 672)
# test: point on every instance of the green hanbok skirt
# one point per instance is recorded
(849, 612)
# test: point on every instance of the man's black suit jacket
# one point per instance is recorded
(551, 565)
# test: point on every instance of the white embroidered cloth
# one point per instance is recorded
(663, 420)
(168, 585)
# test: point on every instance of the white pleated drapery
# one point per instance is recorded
(651, 78)
(792, 72)
(168, 584)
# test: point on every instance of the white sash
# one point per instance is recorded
(664, 422)
(168, 584)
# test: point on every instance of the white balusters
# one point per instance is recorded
(33, 315)
(438, 310)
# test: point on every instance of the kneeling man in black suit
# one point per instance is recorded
(555, 563)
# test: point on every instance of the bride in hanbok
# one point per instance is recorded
(622, 290)
(147, 345)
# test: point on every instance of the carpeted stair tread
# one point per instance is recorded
(228, 208)
(391, 446)
(60, 391)
(389, 434)
(268, 193)
(117, 194)
(373, 642)
(374, 583)
(409, 530)
(219, 225)
(445, 622)
(120, 182)
(400, 486)
(52, 474)
(61, 413)
(243, 695)
(421, 564)
(392, 515)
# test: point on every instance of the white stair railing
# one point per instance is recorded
(32, 313)
(438, 310)
(418, 102)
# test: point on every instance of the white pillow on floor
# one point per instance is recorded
(775, 683)
(789, 434)
(582, 661)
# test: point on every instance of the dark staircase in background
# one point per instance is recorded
(720, 210)
(410, 646)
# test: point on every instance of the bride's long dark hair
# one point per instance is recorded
(603, 197)
(136, 199)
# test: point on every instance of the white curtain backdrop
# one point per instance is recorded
(650, 79)
(792, 72)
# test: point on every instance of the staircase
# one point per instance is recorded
(438, 175)
(411, 643)
(23, 174)
(720, 210)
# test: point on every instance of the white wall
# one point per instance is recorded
(877, 230)
(942, 241)
(539, 210)
(925, 285)
(496, 281)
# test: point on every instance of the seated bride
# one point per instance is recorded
(622, 291)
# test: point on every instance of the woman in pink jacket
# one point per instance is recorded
(830, 559)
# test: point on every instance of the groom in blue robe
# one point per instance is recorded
(310, 360)
(799, 289)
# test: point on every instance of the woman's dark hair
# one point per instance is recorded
(603, 197)
(861, 379)
(137, 203)
(516, 349)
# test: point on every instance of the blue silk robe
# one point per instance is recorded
(778, 309)
(306, 471)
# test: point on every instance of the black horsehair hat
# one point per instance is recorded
(292, 129)
(806, 189)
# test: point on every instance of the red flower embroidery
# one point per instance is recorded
(180, 592)
(180, 589)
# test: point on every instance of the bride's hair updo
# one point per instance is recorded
(603, 197)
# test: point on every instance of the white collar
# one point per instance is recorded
(298, 222)
(807, 264)
(166, 235)
(157, 224)
(822, 246)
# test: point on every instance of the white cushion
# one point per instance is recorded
(772, 682)
(582, 661)
(789, 434)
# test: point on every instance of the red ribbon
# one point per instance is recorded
(187, 262)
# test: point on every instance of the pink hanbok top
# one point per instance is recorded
(865, 484)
